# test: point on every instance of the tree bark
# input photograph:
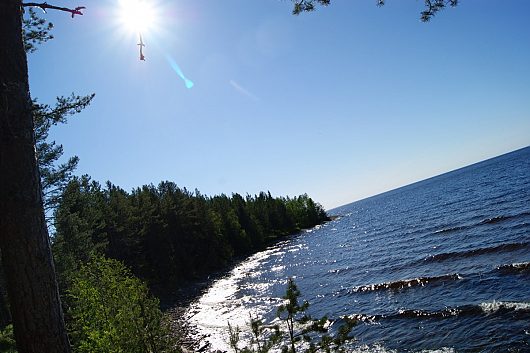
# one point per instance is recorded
(26, 256)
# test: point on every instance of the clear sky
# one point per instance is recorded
(343, 103)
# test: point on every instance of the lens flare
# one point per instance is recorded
(189, 84)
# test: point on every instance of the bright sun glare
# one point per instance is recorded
(137, 15)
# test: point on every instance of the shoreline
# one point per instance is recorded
(174, 303)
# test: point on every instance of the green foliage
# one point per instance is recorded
(262, 340)
(292, 313)
(166, 234)
(5, 314)
(7, 340)
(432, 7)
(36, 30)
(54, 176)
(307, 5)
(80, 229)
(302, 334)
(112, 311)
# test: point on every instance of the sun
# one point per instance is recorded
(137, 15)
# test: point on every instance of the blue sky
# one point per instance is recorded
(343, 103)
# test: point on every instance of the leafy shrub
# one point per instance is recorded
(111, 311)
(7, 340)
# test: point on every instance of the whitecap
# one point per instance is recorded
(494, 306)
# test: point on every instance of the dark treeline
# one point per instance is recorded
(166, 234)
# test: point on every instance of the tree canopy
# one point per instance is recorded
(431, 7)
(166, 234)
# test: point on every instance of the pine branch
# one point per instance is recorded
(45, 6)
(432, 7)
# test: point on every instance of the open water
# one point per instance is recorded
(442, 265)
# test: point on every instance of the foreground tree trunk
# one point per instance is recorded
(5, 316)
(26, 257)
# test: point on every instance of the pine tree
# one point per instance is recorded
(24, 242)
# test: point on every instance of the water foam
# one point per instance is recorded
(378, 348)
(374, 348)
(515, 267)
(407, 283)
(492, 307)
(476, 252)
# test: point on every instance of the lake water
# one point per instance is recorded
(442, 265)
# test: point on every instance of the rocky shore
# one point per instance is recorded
(175, 304)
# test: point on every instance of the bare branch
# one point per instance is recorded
(44, 6)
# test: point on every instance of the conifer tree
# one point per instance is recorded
(54, 177)
(24, 242)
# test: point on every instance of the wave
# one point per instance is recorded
(374, 348)
(466, 310)
(494, 220)
(424, 314)
(515, 267)
(378, 348)
(475, 252)
(486, 308)
(521, 226)
(491, 220)
(406, 283)
(498, 219)
(495, 306)
(450, 229)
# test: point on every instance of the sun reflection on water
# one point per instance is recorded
(243, 292)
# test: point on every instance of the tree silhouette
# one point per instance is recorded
(432, 7)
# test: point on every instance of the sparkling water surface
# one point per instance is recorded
(442, 265)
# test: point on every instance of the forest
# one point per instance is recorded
(166, 234)
(109, 243)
